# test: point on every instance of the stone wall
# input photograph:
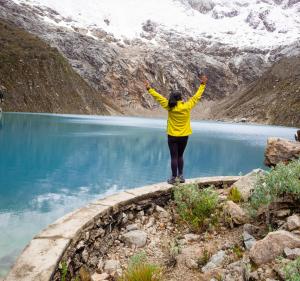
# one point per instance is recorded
(83, 236)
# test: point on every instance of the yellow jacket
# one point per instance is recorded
(179, 117)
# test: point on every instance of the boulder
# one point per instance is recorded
(293, 222)
(250, 228)
(135, 237)
(215, 261)
(267, 249)
(112, 267)
(189, 255)
(190, 237)
(292, 253)
(282, 213)
(281, 150)
(236, 213)
(249, 240)
(162, 212)
(131, 227)
(246, 183)
(100, 277)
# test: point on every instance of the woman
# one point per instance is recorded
(179, 125)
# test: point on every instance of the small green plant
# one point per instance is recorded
(238, 251)
(280, 181)
(234, 195)
(292, 270)
(195, 206)
(140, 270)
(174, 251)
(219, 277)
(204, 259)
(175, 248)
(63, 270)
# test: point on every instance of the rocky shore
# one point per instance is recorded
(233, 244)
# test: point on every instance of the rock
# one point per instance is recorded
(124, 218)
(131, 227)
(215, 261)
(235, 212)
(281, 150)
(292, 253)
(190, 237)
(100, 265)
(250, 228)
(282, 213)
(99, 277)
(254, 276)
(272, 245)
(150, 222)
(246, 183)
(162, 212)
(112, 267)
(80, 245)
(191, 263)
(135, 237)
(85, 255)
(84, 274)
(293, 222)
(249, 240)
(187, 253)
(130, 216)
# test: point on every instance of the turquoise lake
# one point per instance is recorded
(52, 164)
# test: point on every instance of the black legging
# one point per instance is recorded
(177, 146)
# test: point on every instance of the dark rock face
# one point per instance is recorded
(37, 78)
(273, 99)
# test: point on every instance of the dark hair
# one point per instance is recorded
(174, 98)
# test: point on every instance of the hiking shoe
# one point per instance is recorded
(181, 179)
(172, 180)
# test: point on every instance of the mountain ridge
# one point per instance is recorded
(168, 59)
(39, 79)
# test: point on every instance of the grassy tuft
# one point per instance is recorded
(204, 259)
(292, 270)
(234, 195)
(140, 270)
(195, 206)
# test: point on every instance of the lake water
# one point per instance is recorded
(52, 164)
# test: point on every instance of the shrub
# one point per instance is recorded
(195, 205)
(140, 270)
(281, 180)
(235, 195)
(292, 270)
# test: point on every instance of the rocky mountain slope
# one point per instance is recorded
(39, 79)
(273, 99)
(115, 45)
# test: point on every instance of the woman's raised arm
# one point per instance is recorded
(158, 97)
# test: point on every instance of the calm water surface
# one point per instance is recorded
(52, 164)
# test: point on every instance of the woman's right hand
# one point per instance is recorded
(203, 79)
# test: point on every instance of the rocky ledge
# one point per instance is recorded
(83, 237)
(229, 241)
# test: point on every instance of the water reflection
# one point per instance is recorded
(50, 165)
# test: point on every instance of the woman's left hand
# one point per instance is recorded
(147, 85)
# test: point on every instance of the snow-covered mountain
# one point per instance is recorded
(261, 23)
(116, 44)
